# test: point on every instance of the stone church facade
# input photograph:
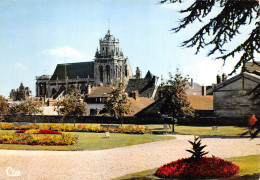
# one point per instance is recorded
(109, 67)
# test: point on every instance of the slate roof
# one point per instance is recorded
(195, 90)
(144, 86)
(252, 77)
(80, 69)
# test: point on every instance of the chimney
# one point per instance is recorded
(136, 95)
(89, 89)
(203, 90)
(191, 82)
(224, 77)
(218, 79)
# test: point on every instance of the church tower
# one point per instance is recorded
(110, 65)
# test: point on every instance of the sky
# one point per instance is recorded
(36, 35)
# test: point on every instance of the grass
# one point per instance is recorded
(92, 141)
(198, 130)
(249, 165)
(193, 130)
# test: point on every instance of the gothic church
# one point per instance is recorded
(109, 67)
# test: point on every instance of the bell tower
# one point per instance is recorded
(110, 65)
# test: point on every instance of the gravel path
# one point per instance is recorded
(111, 163)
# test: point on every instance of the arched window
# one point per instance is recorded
(83, 89)
(101, 73)
(108, 73)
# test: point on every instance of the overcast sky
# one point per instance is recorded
(36, 35)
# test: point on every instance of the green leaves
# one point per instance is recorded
(71, 105)
(3, 106)
(196, 151)
(173, 90)
(117, 104)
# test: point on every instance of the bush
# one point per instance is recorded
(205, 167)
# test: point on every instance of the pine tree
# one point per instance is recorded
(221, 29)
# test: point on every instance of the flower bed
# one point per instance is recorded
(29, 139)
(205, 167)
(38, 131)
(18, 127)
(130, 129)
(87, 128)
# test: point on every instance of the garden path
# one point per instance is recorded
(111, 163)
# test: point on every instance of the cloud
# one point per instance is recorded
(20, 66)
(66, 53)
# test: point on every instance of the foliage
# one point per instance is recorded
(29, 139)
(117, 104)
(176, 102)
(206, 167)
(71, 104)
(30, 106)
(221, 29)
(3, 106)
(196, 151)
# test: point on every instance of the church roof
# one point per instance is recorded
(149, 75)
(145, 87)
(80, 69)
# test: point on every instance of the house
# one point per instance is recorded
(231, 97)
(97, 98)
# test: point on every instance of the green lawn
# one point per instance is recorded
(92, 141)
(194, 130)
(198, 130)
(249, 165)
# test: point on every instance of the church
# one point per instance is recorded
(109, 67)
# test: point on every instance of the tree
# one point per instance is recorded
(223, 28)
(176, 101)
(117, 104)
(30, 106)
(4, 106)
(71, 105)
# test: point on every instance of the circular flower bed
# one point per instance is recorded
(38, 131)
(205, 167)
